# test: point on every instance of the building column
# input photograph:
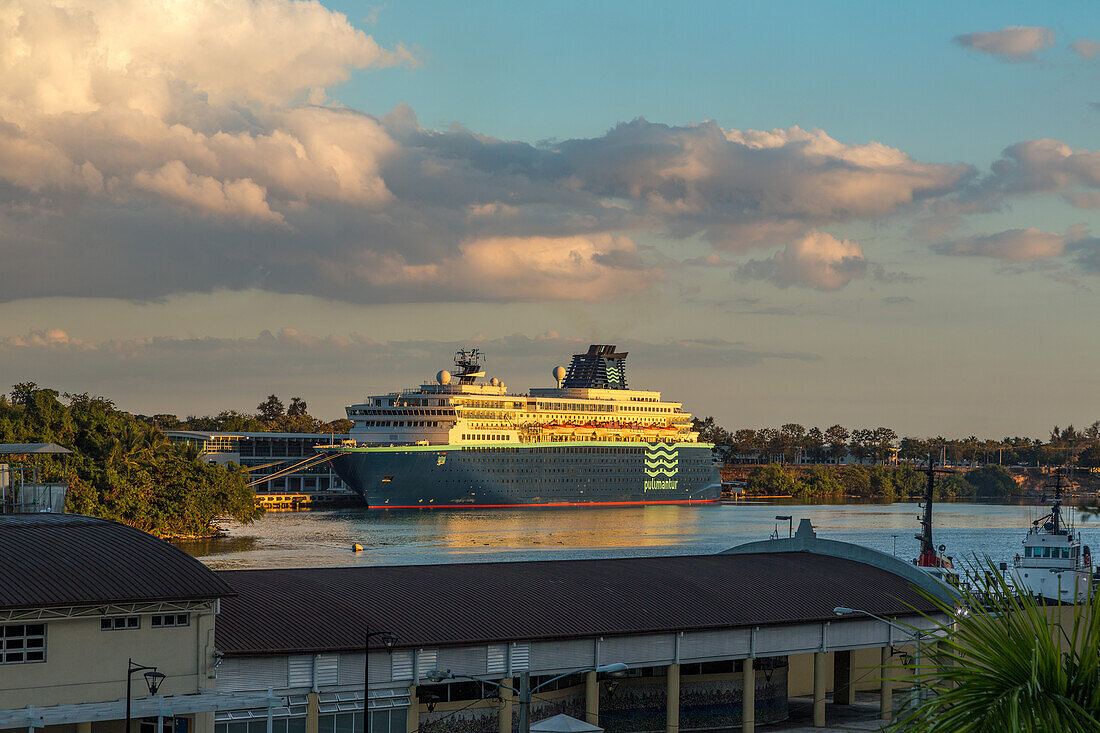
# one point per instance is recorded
(504, 715)
(202, 723)
(886, 704)
(843, 691)
(819, 690)
(672, 699)
(313, 710)
(84, 727)
(748, 695)
(412, 719)
(591, 699)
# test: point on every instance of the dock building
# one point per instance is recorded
(711, 641)
(79, 599)
(270, 454)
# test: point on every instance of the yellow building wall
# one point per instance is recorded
(86, 664)
(866, 671)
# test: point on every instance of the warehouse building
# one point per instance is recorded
(708, 641)
(711, 641)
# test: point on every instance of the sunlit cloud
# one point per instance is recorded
(1011, 43)
(818, 260)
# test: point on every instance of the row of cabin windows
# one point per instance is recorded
(1052, 552)
(401, 423)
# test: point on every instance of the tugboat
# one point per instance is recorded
(931, 559)
(1055, 566)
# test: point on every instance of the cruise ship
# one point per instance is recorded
(465, 441)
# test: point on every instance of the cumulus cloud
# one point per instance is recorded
(1085, 48)
(240, 197)
(144, 169)
(817, 260)
(1011, 43)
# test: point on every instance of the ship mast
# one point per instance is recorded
(928, 557)
(1056, 505)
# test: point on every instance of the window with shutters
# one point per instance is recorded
(300, 671)
(327, 669)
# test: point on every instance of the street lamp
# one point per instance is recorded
(916, 635)
(525, 691)
(153, 680)
(789, 519)
(389, 641)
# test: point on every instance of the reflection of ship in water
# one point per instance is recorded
(460, 442)
(1055, 566)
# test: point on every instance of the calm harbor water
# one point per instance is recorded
(324, 538)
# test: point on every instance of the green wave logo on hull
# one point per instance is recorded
(661, 461)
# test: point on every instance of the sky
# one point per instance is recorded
(856, 213)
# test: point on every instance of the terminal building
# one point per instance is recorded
(709, 641)
(272, 454)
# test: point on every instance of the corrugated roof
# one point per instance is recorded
(327, 609)
(18, 448)
(68, 559)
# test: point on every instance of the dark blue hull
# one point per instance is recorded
(404, 477)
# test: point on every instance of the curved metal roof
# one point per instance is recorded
(73, 560)
(305, 610)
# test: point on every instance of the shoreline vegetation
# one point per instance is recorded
(874, 464)
(880, 484)
(123, 467)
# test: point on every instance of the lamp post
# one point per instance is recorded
(790, 522)
(389, 641)
(525, 691)
(153, 680)
(917, 636)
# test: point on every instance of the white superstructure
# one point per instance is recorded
(459, 410)
(1054, 565)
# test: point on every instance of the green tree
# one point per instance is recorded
(771, 480)
(882, 484)
(271, 410)
(122, 469)
(862, 443)
(815, 445)
(818, 482)
(991, 481)
(837, 439)
(882, 442)
(856, 481)
(1001, 663)
(1090, 457)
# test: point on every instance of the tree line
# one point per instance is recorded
(876, 483)
(271, 416)
(122, 468)
(793, 443)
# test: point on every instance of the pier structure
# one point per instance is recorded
(278, 464)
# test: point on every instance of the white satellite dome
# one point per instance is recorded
(559, 373)
(495, 382)
(444, 377)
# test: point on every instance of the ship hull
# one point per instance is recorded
(1054, 585)
(577, 473)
